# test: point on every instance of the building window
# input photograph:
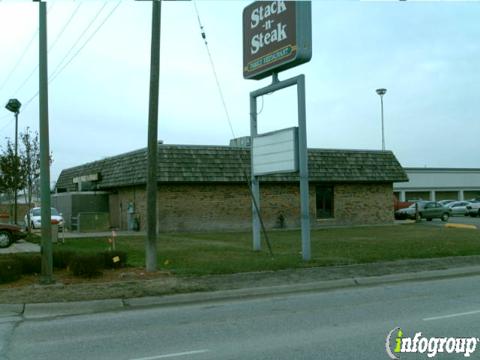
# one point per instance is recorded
(324, 202)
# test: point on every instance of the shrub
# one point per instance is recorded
(62, 258)
(86, 265)
(10, 270)
(109, 258)
(30, 263)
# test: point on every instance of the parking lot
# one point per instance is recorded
(465, 220)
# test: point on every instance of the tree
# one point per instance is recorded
(12, 176)
(30, 164)
(21, 172)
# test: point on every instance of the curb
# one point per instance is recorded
(461, 226)
(49, 310)
(38, 311)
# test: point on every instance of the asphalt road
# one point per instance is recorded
(343, 324)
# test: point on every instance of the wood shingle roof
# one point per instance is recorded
(187, 164)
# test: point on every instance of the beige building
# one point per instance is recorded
(439, 184)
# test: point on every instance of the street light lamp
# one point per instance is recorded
(14, 105)
(382, 92)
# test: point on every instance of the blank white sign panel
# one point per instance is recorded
(275, 152)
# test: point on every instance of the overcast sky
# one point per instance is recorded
(427, 54)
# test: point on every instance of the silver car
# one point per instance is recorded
(459, 208)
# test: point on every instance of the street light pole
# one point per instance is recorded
(14, 105)
(16, 160)
(382, 92)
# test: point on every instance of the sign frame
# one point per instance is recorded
(299, 81)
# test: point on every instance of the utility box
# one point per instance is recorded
(73, 203)
(93, 221)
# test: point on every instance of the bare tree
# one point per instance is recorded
(12, 176)
(30, 164)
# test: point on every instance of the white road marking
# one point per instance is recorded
(452, 315)
(165, 356)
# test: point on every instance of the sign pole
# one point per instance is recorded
(278, 36)
(302, 160)
(254, 179)
(303, 168)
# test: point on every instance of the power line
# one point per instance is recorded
(55, 75)
(19, 60)
(72, 16)
(212, 64)
(50, 48)
(22, 56)
(78, 39)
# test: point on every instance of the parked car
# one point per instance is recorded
(474, 208)
(426, 210)
(446, 202)
(10, 233)
(459, 208)
(35, 218)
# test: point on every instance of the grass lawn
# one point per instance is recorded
(222, 253)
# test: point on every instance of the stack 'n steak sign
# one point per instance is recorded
(277, 35)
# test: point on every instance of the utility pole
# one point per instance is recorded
(151, 241)
(47, 261)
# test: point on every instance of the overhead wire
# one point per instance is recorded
(64, 27)
(79, 38)
(59, 35)
(34, 36)
(19, 60)
(212, 64)
(220, 91)
(10, 122)
(59, 70)
(54, 76)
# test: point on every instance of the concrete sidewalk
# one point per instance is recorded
(105, 234)
(16, 312)
(21, 246)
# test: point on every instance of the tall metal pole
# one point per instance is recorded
(383, 131)
(47, 263)
(303, 169)
(382, 92)
(16, 160)
(255, 186)
(302, 154)
(151, 241)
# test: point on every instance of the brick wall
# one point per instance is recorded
(363, 204)
(202, 207)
